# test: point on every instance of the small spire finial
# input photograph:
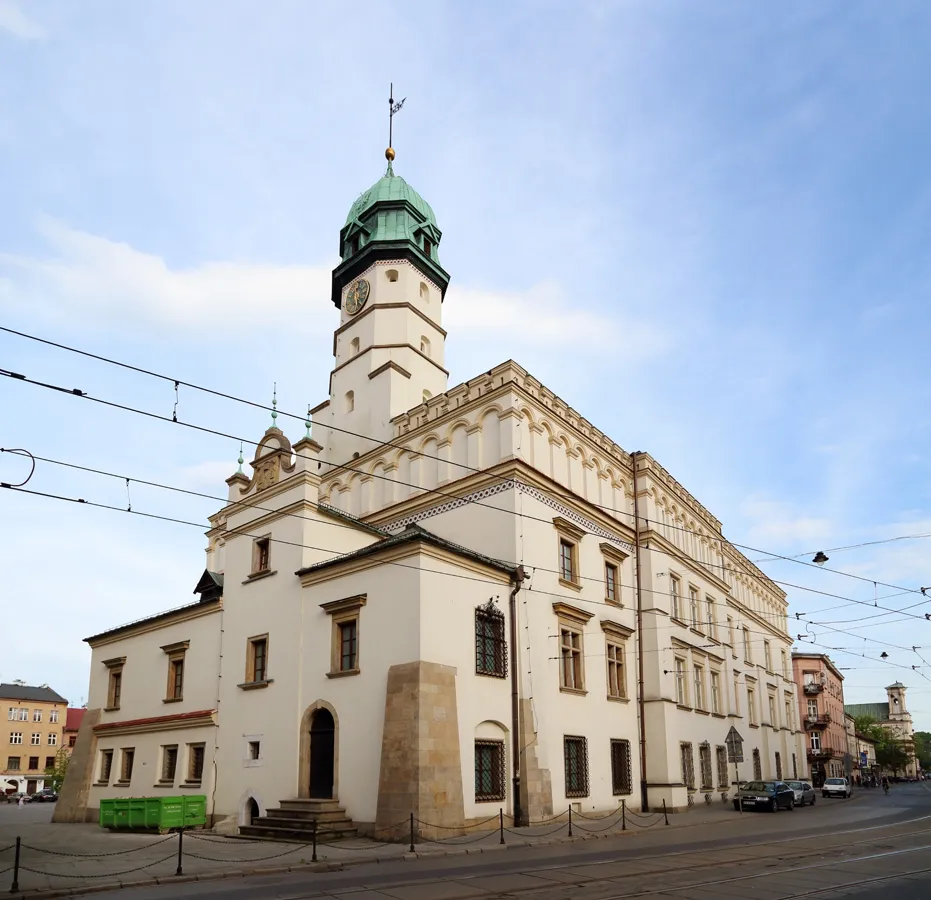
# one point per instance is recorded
(274, 404)
(239, 470)
(392, 109)
(307, 423)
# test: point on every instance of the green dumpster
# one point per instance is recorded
(153, 813)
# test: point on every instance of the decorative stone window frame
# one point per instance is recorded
(257, 571)
(572, 619)
(621, 771)
(342, 612)
(715, 697)
(192, 779)
(488, 618)
(176, 653)
(698, 684)
(694, 620)
(127, 762)
(569, 533)
(163, 757)
(675, 598)
(114, 680)
(495, 751)
(617, 635)
(613, 556)
(105, 769)
(251, 683)
(680, 673)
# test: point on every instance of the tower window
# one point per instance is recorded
(350, 401)
(354, 244)
(424, 291)
(392, 274)
(426, 396)
(427, 246)
(424, 345)
(354, 347)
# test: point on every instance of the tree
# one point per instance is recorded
(869, 728)
(55, 775)
(923, 748)
(891, 752)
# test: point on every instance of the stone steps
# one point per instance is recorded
(294, 821)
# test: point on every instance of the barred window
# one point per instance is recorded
(576, 753)
(721, 754)
(688, 766)
(489, 770)
(757, 766)
(704, 760)
(778, 767)
(621, 782)
(794, 767)
(490, 645)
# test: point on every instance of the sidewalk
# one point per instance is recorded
(61, 860)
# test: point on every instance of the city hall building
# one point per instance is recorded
(441, 600)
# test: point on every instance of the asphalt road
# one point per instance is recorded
(871, 847)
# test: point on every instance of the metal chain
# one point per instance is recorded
(96, 855)
(156, 862)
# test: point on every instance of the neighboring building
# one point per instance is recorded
(820, 689)
(72, 726)
(35, 718)
(894, 715)
(355, 633)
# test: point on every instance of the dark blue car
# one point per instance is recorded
(768, 795)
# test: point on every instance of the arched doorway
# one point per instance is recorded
(322, 754)
(252, 811)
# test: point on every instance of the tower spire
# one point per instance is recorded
(275, 405)
(392, 109)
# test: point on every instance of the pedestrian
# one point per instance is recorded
(20, 801)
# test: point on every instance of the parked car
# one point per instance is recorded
(770, 795)
(804, 792)
(15, 795)
(46, 795)
(836, 787)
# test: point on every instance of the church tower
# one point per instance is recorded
(897, 709)
(389, 347)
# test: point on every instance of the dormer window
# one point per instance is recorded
(427, 246)
(354, 245)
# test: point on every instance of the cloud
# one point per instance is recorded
(778, 521)
(15, 21)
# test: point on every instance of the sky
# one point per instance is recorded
(705, 226)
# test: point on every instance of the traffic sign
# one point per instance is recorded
(735, 746)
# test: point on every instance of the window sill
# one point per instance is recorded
(570, 584)
(172, 700)
(255, 685)
(678, 621)
(496, 799)
(121, 783)
(702, 712)
(571, 690)
(189, 784)
(111, 709)
(344, 673)
(258, 576)
(169, 785)
(101, 784)
(718, 715)
(491, 674)
(683, 706)
(752, 725)
(618, 699)
(615, 603)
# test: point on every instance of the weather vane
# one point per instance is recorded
(392, 109)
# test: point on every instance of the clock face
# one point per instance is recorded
(356, 296)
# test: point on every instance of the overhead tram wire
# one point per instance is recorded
(770, 556)
(176, 489)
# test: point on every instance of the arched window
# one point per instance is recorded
(426, 396)
(424, 345)
(392, 274)
(350, 401)
(424, 291)
(354, 347)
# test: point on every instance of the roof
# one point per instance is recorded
(158, 617)
(391, 188)
(74, 717)
(411, 534)
(823, 658)
(43, 694)
(877, 711)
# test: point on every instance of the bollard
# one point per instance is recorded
(15, 886)
(570, 820)
(501, 825)
(313, 832)
(179, 870)
(412, 832)
(623, 816)
(665, 815)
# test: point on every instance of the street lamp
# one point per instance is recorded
(820, 558)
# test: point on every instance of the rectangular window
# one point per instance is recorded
(195, 764)
(695, 621)
(37, 715)
(746, 633)
(567, 561)
(794, 766)
(348, 644)
(772, 711)
(346, 632)
(674, 598)
(785, 668)
(115, 688)
(751, 707)
(570, 659)
(490, 646)
(33, 762)
(709, 616)
(261, 556)
(106, 765)
(730, 633)
(53, 717)
(72, 740)
(721, 756)
(698, 673)
(175, 653)
(621, 780)
(757, 766)
(126, 767)
(688, 766)
(813, 708)
(612, 594)
(704, 765)
(716, 692)
(767, 656)
(778, 766)
(53, 740)
(23, 715)
(576, 757)
(11, 714)
(16, 737)
(255, 749)
(682, 697)
(169, 763)
(36, 739)
(427, 246)
(12, 763)
(815, 739)
(489, 770)
(49, 762)
(257, 660)
(736, 692)
(617, 680)
(788, 713)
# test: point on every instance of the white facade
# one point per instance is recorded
(343, 562)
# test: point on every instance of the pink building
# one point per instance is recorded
(820, 688)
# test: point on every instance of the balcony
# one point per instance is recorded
(818, 721)
(813, 687)
(823, 753)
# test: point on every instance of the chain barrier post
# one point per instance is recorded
(570, 820)
(14, 887)
(180, 870)
(665, 814)
(313, 831)
(501, 824)
(412, 833)
(623, 815)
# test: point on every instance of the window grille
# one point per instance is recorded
(757, 766)
(491, 656)
(489, 770)
(576, 753)
(621, 780)
(704, 760)
(778, 767)
(794, 766)
(721, 755)
(688, 766)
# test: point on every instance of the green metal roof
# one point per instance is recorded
(877, 711)
(390, 187)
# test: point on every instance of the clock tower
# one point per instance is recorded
(389, 347)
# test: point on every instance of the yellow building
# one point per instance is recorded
(35, 718)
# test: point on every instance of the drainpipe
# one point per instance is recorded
(644, 798)
(518, 579)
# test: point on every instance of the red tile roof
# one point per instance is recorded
(73, 719)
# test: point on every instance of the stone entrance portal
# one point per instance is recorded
(322, 754)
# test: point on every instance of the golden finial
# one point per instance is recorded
(392, 109)
(389, 154)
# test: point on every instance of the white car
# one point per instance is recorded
(836, 787)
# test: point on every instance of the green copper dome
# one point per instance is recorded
(390, 187)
